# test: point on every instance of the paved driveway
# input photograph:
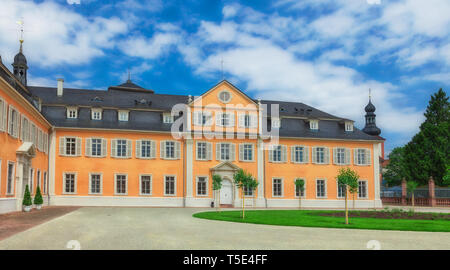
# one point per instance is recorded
(175, 228)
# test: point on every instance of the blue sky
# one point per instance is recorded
(321, 52)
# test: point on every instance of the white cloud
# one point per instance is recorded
(149, 48)
(229, 11)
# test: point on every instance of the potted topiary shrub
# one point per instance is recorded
(27, 200)
(38, 201)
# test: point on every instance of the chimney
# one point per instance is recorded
(59, 91)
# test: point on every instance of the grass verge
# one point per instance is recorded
(311, 218)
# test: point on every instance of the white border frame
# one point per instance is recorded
(295, 188)
(326, 188)
(367, 190)
(282, 187)
(115, 184)
(90, 183)
(207, 186)
(175, 185)
(64, 183)
(140, 184)
(13, 177)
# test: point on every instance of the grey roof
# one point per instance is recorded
(146, 110)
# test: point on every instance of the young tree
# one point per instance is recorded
(349, 179)
(243, 179)
(38, 198)
(428, 153)
(300, 186)
(27, 197)
(217, 185)
(411, 187)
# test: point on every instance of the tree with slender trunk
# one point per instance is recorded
(411, 186)
(349, 179)
(244, 180)
(300, 186)
(217, 185)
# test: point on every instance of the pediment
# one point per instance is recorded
(27, 149)
(225, 166)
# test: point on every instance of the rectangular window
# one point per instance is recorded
(314, 124)
(321, 191)
(13, 122)
(277, 188)
(146, 184)
(362, 156)
(72, 113)
(146, 149)
(38, 179)
(96, 147)
(247, 152)
(45, 183)
(225, 151)
(121, 148)
(168, 118)
(69, 183)
(277, 153)
(225, 119)
(95, 186)
(341, 156)
(341, 190)
(123, 115)
(320, 155)
(362, 189)
(248, 192)
(2, 115)
(169, 185)
(10, 180)
(299, 154)
(121, 184)
(202, 186)
(31, 179)
(25, 130)
(170, 149)
(71, 146)
(96, 114)
(201, 151)
(348, 126)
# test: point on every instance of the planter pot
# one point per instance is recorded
(38, 206)
(27, 208)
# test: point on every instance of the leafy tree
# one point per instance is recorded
(428, 153)
(217, 185)
(447, 176)
(300, 185)
(349, 179)
(27, 197)
(243, 179)
(395, 170)
(411, 186)
(38, 198)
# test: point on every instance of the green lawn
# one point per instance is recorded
(310, 218)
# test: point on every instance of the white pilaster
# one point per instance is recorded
(376, 170)
(261, 200)
(18, 184)
(189, 170)
(51, 164)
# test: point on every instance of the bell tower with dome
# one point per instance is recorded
(371, 127)
(20, 66)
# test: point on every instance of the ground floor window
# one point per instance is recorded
(31, 180)
(277, 187)
(121, 184)
(38, 179)
(321, 191)
(45, 183)
(10, 180)
(96, 183)
(248, 191)
(169, 184)
(69, 183)
(362, 189)
(202, 186)
(298, 191)
(341, 190)
(146, 184)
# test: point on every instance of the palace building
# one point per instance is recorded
(131, 146)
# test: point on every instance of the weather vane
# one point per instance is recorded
(21, 23)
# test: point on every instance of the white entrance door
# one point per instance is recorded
(226, 192)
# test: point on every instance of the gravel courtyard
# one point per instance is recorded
(175, 228)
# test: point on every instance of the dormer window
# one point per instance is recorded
(168, 118)
(123, 115)
(72, 112)
(96, 114)
(314, 124)
(348, 126)
(276, 123)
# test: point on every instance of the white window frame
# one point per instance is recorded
(304, 188)
(367, 157)
(140, 184)
(283, 153)
(77, 140)
(346, 156)
(44, 182)
(220, 120)
(282, 187)
(31, 180)
(174, 185)
(90, 149)
(207, 185)
(305, 154)
(38, 179)
(74, 185)
(337, 191)
(90, 183)
(128, 148)
(314, 124)
(115, 184)
(123, 115)
(95, 112)
(326, 155)
(168, 118)
(252, 195)
(366, 187)
(3, 115)
(242, 158)
(231, 154)
(72, 112)
(13, 126)
(325, 187)
(13, 177)
(208, 151)
(140, 145)
(348, 126)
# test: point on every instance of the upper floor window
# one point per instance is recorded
(145, 149)
(341, 156)
(170, 150)
(277, 153)
(204, 150)
(168, 118)
(202, 118)
(123, 115)
(70, 146)
(299, 154)
(72, 112)
(95, 147)
(25, 130)
(248, 120)
(275, 122)
(348, 126)
(361, 156)
(246, 152)
(2, 115)
(321, 155)
(121, 148)
(225, 119)
(225, 151)
(225, 96)
(13, 122)
(314, 124)
(96, 114)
